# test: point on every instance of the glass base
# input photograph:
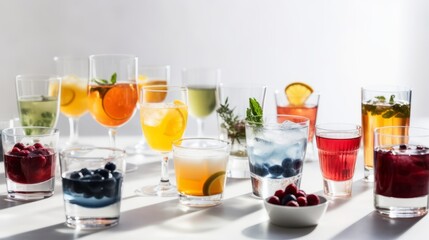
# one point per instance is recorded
(401, 207)
(91, 223)
(337, 189)
(369, 174)
(200, 201)
(161, 190)
(238, 167)
(30, 192)
(264, 187)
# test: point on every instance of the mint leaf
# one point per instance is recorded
(392, 99)
(254, 113)
(113, 78)
(105, 82)
(381, 98)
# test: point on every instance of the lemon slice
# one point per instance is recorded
(214, 184)
(176, 119)
(67, 95)
(297, 93)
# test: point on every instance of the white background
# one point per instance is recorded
(336, 46)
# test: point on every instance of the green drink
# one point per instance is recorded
(38, 111)
(202, 100)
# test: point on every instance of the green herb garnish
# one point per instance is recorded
(231, 123)
(105, 82)
(254, 113)
(379, 106)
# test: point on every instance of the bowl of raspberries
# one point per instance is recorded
(293, 207)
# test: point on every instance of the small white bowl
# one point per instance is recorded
(295, 217)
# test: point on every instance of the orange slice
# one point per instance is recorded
(176, 119)
(120, 101)
(67, 95)
(157, 93)
(297, 93)
(214, 184)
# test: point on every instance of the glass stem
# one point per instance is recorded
(112, 136)
(165, 182)
(200, 127)
(74, 130)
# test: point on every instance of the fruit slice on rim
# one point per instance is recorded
(297, 93)
(214, 184)
(176, 119)
(119, 102)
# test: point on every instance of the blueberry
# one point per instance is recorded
(96, 177)
(110, 166)
(77, 187)
(109, 183)
(103, 172)
(275, 170)
(297, 164)
(99, 195)
(75, 175)
(287, 198)
(289, 172)
(86, 178)
(287, 163)
(85, 172)
(117, 175)
(403, 147)
(260, 170)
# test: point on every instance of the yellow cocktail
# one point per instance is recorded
(74, 97)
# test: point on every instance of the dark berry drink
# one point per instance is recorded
(401, 180)
(402, 171)
(337, 156)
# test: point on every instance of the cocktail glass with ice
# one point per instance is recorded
(276, 149)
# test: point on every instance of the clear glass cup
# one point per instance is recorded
(401, 164)
(112, 90)
(338, 146)
(276, 150)
(231, 117)
(200, 167)
(92, 180)
(201, 84)
(308, 110)
(382, 106)
(3, 125)
(38, 100)
(149, 75)
(30, 156)
(74, 97)
(163, 117)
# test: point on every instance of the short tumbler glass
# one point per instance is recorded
(338, 145)
(30, 155)
(401, 164)
(92, 181)
(200, 165)
(276, 149)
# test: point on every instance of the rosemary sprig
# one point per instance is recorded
(233, 125)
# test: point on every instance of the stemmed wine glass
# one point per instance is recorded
(163, 117)
(149, 75)
(112, 90)
(74, 98)
(201, 84)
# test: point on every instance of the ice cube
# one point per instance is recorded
(262, 147)
(290, 125)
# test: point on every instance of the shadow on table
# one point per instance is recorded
(266, 230)
(358, 187)
(5, 202)
(167, 214)
(377, 226)
(58, 232)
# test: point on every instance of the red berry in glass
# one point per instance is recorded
(29, 164)
(402, 171)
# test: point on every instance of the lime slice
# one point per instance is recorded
(214, 184)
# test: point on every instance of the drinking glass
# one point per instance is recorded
(149, 75)
(201, 84)
(74, 97)
(382, 106)
(112, 90)
(401, 164)
(92, 184)
(38, 99)
(200, 165)
(231, 117)
(276, 149)
(308, 110)
(30, 155)
(338, 145)
(163, 117)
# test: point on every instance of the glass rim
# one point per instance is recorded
(321, 126)
(156, 88)
(306, 120)
(66, 153)
(7, 131)
(225, 143)
(37, 77)
(278, 91)
(386, 88)
(422, 132)
(118, 55)
(69, 57)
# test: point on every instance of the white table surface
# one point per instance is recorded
(240, 216)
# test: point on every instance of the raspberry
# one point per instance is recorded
(300, 193)
(274, 200)
(292, 204)
(38, 145)
(312, 199)
(302, 201)
(291, 189)
(19, 145)
(279, 193)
